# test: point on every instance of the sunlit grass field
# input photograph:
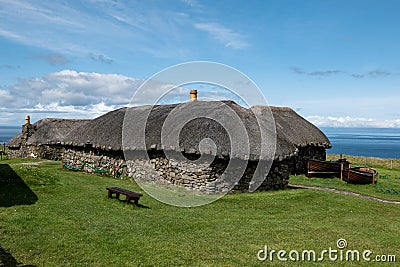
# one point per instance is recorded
(53, 217)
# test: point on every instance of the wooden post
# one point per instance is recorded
(391, 164)
(341, 169)
(3, 151)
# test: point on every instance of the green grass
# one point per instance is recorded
(388, 179)
(73, 223)
(3, 152)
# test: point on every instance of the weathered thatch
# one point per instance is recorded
(102, 132)
(227, 128)
(47, 131)
(15, 141)
(295, 128)
(233, 129)
(199, 120)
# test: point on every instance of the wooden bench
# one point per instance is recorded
(129, 194)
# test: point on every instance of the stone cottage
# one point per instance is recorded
(203, 155)
(42, 139)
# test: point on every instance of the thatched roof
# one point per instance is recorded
(197, 121)
(15, 141)
(102, 132)
(227, 124)
(184, 126)
(48, 131)
(295, 128)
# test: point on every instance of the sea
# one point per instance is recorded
(369, 142)
(7, 132)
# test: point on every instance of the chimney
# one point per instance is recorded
(27, 119)
(27, 129)
(193, 95)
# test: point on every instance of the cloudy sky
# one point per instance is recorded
(337, 63)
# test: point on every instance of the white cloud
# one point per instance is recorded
(73, 94)
(10, 35)
(79, 28)
(88, 111)
(68, 93)
(69, 87)
(35, 22)
(5, 97)
(348, 121)
(224, 35)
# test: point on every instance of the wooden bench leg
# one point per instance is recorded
(117, 195)
(135, 200)
(109, 194)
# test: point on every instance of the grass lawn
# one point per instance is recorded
(52, 217)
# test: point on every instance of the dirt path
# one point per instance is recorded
(343, 193)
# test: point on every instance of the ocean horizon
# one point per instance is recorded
(8, 132)
(368, 142)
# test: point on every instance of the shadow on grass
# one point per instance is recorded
(142, 206)
(13, 190)
(136, 205)
(7, 260)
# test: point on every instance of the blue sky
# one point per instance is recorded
(337, 63)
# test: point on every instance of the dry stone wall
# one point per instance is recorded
(95, 161)
(53, 152)
(157, 168)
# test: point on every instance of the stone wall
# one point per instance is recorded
(95, 161)
(278, 176)
(194, 176)
(157, 168)
(53, 152)
(299, 163)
